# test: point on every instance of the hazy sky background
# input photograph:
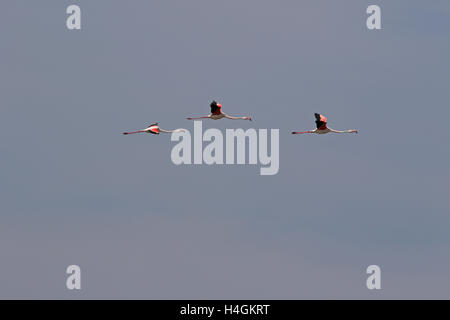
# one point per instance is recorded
(74, 190)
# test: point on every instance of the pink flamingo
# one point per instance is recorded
(216, 113)
(321, 124)
(155, 129)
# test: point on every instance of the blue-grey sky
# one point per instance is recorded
(75, 191)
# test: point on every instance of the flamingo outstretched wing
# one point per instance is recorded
(215, 107)
(321, 121)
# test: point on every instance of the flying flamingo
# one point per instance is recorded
(155, 129)
(216, 113)
(321, 124)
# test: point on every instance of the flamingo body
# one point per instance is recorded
(153, 128)
(217, 116)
